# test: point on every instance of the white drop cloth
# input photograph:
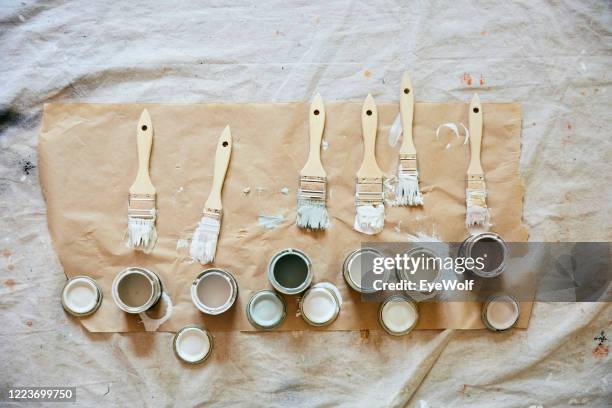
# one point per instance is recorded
(553, 56)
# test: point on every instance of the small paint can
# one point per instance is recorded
(214, 291)
(290, 271)
(81, 296)
(136, 290)
(357, 270)
(266, 310)
(192, 344)
(500, 312)
(491, 249)
(320, 305)
(398, 315)
(428, 270)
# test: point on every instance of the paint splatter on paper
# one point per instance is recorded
(270, 222)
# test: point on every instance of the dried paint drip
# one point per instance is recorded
(398, 315)
(266, 309)
(500, 312)
(192, 344)
(151, 324)
(319, 306)
(214, 291)
(81, 296)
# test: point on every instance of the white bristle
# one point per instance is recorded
(312, 214)
(142, 234)
(370, 219)
(407, 191)
(477, 214)
(204, 241)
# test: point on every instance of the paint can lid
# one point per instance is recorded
(193, 344)
(500, 312)
(398, 315)
(320, 305)
(81, 296)
(266, 309)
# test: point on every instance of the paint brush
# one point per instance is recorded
(204, 241)
(369, 197)
(142, 234)
(477, 214)
(407, 190)
(311, 210)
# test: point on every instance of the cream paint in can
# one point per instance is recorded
(357, 270)
(136, 290)
(492, 250)
(266, 310)
(398, 315)
(290, 271)
(192, 344)
(214, 291)
(81, 296)
(500, 312)
(320, 305)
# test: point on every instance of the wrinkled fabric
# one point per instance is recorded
(553, 57)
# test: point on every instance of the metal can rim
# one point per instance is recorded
(210, 339)
(483, 312)
(346, 272)
(467, 245)
(156, 290)
(248, 310)
(223, 308)
(298, 289)
(336, 311)
(394, 298)
(99, 296)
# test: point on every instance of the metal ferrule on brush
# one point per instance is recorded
(141, 206)
(408, 165)
(369, 191)
(313, 188)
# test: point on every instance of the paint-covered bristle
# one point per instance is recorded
(142, 213)
(407, 191)
(477, 213)
(204, 241)
(311, 209)
(370, 209)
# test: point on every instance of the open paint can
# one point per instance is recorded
(491, 249)
(290, 271)
(81, 296)
(428, 270)
(266, 310)
(358, 270)
(192, 344)
(398, 315)
(136, 290)
(320, 305)
(500, 312)
(214, 291)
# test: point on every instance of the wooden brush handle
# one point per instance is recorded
(313, 166)
(144, 140)
(222, 157)
(369, 123)
(475, 168)
(407, 115)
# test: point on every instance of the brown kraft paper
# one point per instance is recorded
(88, 160)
